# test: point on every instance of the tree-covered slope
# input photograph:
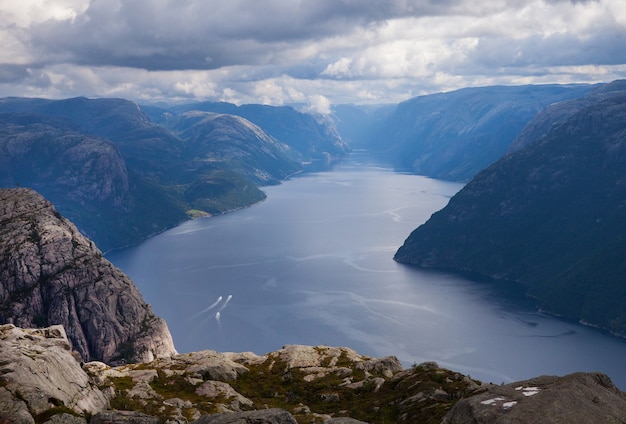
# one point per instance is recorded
(551, 215)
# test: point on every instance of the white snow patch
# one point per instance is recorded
(507, 405)
(492, 401)
(528, 391)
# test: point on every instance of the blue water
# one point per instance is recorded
(313, 265)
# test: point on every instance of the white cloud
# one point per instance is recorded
(318, 104)
(308, 52)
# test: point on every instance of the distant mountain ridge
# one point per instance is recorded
(122, 177)
(454, 135)
(550, 215)
(308, 134)
(236, 144)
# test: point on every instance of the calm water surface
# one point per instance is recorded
(313, 265)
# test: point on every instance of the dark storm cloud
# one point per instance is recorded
(316, 51)
(13, 73)
(197, 34)
(24, 75)
(606, 48)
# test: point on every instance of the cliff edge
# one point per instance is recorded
(52, 275)
(40, 382)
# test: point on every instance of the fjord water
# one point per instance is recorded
(313, 265)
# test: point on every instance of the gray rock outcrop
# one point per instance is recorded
(39, 372)
(50, 274)
(318, 361)
(576, 398)
(123, 417)
(42, 381)
(266, 416)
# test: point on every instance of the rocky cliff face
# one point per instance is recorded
(550, 215)
(51, 275)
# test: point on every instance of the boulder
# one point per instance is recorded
(208, 364)
(574, 398)
(66, 419)
(215, 389)
(264, 416)
(39, 373)
(123, 417)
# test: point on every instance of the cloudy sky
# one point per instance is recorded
(312, 52)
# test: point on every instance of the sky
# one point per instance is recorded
(315, 53)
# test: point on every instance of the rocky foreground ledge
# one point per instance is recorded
(43, 381)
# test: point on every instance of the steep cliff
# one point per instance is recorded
(50, 274)
(551, 215)
(455, 135)
(86, 177)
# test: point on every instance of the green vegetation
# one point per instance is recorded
(421, 394)
(222, 191)
(272, 384)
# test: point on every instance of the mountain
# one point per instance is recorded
(455, 135)
(122, 177)
(86, 177)
(50, 274)
(217, 141)
(550, 215)
(147, 148)
(313, 136)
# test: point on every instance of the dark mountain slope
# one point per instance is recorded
(455, 135)
(121, 177)
(215, 141)
(551, 216)
(86, 177)
(313, 137)
(148, 148)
